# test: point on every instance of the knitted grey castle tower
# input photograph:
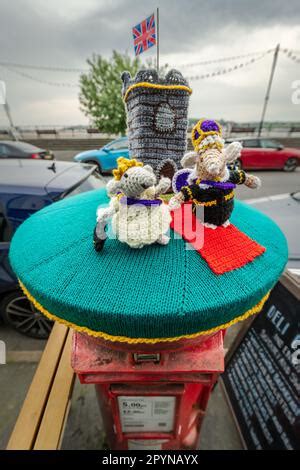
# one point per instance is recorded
(157, 118)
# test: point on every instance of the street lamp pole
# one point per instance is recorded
(3, 101)
(268, 89)
(8, 114)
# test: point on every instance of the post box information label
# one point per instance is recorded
(146, 444)
(147, 414)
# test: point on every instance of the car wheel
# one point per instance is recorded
(93, 162)
(20, 314)
(291, 164)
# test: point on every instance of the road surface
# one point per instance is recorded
(273, 182)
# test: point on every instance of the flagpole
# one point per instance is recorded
(157, 39)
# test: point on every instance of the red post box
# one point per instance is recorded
(151, 397)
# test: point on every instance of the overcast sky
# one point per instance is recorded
(64, 33)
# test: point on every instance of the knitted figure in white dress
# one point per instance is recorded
(139, 216)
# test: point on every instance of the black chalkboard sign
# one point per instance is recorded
(261, 380)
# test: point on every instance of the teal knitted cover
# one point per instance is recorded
(155, 292)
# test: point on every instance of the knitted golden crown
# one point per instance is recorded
(207, 134)
(123, 165)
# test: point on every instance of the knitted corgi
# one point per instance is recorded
(139, 217)
(210, 183)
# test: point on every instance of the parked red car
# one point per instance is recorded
(267, 154)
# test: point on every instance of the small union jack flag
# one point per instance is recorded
(144, 35)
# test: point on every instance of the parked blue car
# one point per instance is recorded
(105, 157)
(27, 186)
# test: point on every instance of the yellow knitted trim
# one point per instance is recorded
(125, 339)
(217, 178)
(241, 174)
(229, 196)
(206, 204)
(214, 202)
(157, 86)
(189, 191)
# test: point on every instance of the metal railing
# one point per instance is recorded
(288, 129)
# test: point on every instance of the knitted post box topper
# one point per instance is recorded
(139, 217)
(210, 183)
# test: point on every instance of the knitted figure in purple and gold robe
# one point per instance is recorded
(210, 183)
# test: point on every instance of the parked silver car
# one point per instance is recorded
(284, 209)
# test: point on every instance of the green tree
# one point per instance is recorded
(100, 91)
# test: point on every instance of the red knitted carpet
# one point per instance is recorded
(223, 248)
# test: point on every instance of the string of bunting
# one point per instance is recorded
(291, 55)
(82, 70)
(255, 56)
(225, 59)
(42, 67)
(229, 69)
(35, 79)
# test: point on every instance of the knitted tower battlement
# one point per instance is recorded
(157, 118)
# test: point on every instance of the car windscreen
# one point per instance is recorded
(270, 144)
(24, 147)
(251, 143)
(94, 181)
(118, 145)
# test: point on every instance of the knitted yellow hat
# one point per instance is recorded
(123, 165)
(207, 134)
